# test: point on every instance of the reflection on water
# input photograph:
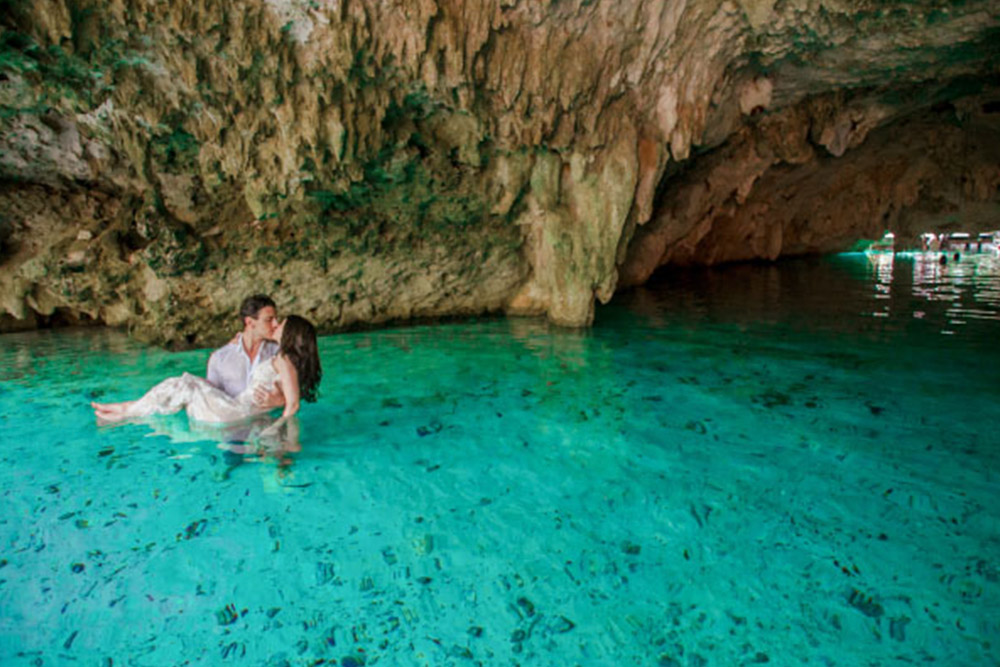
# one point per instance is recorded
(970, 285)
(872, 294)
(264, 432)
(882, 264)
(967, 287)
(27, 356)
(278, 440)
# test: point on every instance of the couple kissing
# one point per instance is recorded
(269, 364)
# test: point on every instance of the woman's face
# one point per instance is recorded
(279, 331)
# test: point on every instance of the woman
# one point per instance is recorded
(295, 369)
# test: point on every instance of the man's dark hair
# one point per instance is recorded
(253, 305)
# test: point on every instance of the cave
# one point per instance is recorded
(650, 332)
(507, 159)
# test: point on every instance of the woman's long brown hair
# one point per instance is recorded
(298, 343)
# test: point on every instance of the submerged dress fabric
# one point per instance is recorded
(203, 401)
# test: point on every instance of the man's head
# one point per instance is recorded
(259, 316)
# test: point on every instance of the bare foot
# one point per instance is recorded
(109, 412)
(102, 422)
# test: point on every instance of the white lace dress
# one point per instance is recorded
(203, 401)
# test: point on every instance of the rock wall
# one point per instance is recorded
(368, 162)
(771, 191)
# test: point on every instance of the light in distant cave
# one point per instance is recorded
(960, 242)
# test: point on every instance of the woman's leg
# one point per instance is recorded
(165, 398)
(110, 407)
(111, 412)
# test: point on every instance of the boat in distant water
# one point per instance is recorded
(962, 242)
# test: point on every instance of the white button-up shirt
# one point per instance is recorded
(230, 367)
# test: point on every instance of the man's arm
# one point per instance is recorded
(272, 398)
(212, 373)
(268, 400)
(215, 364)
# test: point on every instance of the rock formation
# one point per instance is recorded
(367, 162)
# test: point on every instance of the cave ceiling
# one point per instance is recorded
(369, 162)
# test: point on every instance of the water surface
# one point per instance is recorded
(794, 464)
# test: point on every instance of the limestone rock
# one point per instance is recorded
(368, 162)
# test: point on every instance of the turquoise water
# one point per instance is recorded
(791, 464)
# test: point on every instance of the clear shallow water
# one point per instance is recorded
(793, 464)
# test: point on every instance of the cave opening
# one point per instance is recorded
(59, 318)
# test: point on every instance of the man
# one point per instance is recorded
(230, 367)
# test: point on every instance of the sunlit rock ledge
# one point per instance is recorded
(368, 162)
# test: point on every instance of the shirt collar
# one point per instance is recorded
(243, 351)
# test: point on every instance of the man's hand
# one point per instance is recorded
(268, 400)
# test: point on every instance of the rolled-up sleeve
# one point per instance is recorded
(229, 368)
(214, 376)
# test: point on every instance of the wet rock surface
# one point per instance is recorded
(366, 164)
